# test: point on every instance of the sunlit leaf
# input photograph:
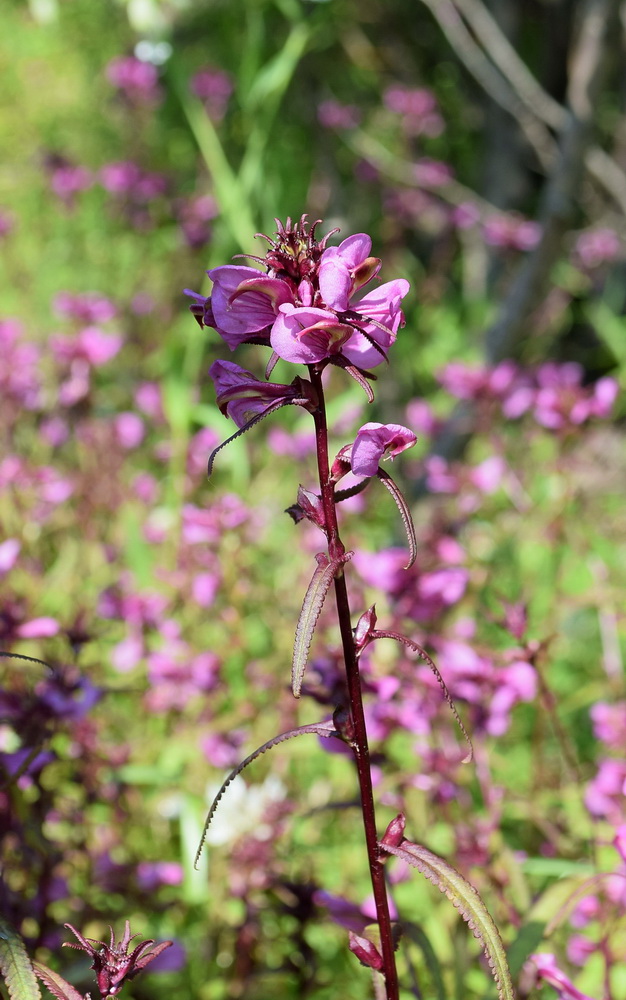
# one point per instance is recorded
(16, 967)
(466, 899)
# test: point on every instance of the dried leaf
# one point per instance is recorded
(405, 513)
(16, 967)
(58, 986)
(311, 610)
(467, 901)
(326, 729)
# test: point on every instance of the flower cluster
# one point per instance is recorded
(304, 306)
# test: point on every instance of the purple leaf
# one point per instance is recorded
(384, 634)
(405, 513)
(58, 986)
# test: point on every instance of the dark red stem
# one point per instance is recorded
(359, 743)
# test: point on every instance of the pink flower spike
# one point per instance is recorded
(374, 441)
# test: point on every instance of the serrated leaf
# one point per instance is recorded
(311, 610)
(410, 644)
(16, 967)
(466, 899)
(57, 985)
(405, 513)
(325, 729)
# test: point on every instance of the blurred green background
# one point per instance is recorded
(144, 141)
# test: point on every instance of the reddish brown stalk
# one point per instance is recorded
(359, 742)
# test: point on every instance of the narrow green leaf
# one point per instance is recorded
(467, 901)
(311, 610)
(16, 967)
(526, 942)
(418, 936)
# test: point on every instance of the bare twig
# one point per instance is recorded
(506, 58)
(491, 80)
(513, 87)
(588, 65)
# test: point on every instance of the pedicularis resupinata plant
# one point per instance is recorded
(307, 307)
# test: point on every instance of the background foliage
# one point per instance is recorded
(166, 605)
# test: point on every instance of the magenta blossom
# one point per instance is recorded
(242, 396)
(346, 268)
(307, 335)
(303, 306)
(375, 441)
(245, 301)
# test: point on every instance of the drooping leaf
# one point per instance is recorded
(405, 513)
(359, 375)
(58, 986)
(246, 427)
(311, 610)
(29, 659)
(466, 899)
(385, 634)
(325, 729)
(16, 967)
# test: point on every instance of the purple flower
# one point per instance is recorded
(346, 268)
(374, 441)
(137, 79)
(245, 301)
(333, 114)
(595, 246)
(303, 306)
(242, 396)
(9, 551)
(214, 87)
(88, 307)
(379, 316)
(548, 970)
(307, 335)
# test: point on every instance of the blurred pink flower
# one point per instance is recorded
(597, 246)
(129, 429)
(9, 551)
(334, 114)
(213, 86)
(38, 628)
(137, 79)
(547, 969)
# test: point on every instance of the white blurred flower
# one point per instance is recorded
(242, 809)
